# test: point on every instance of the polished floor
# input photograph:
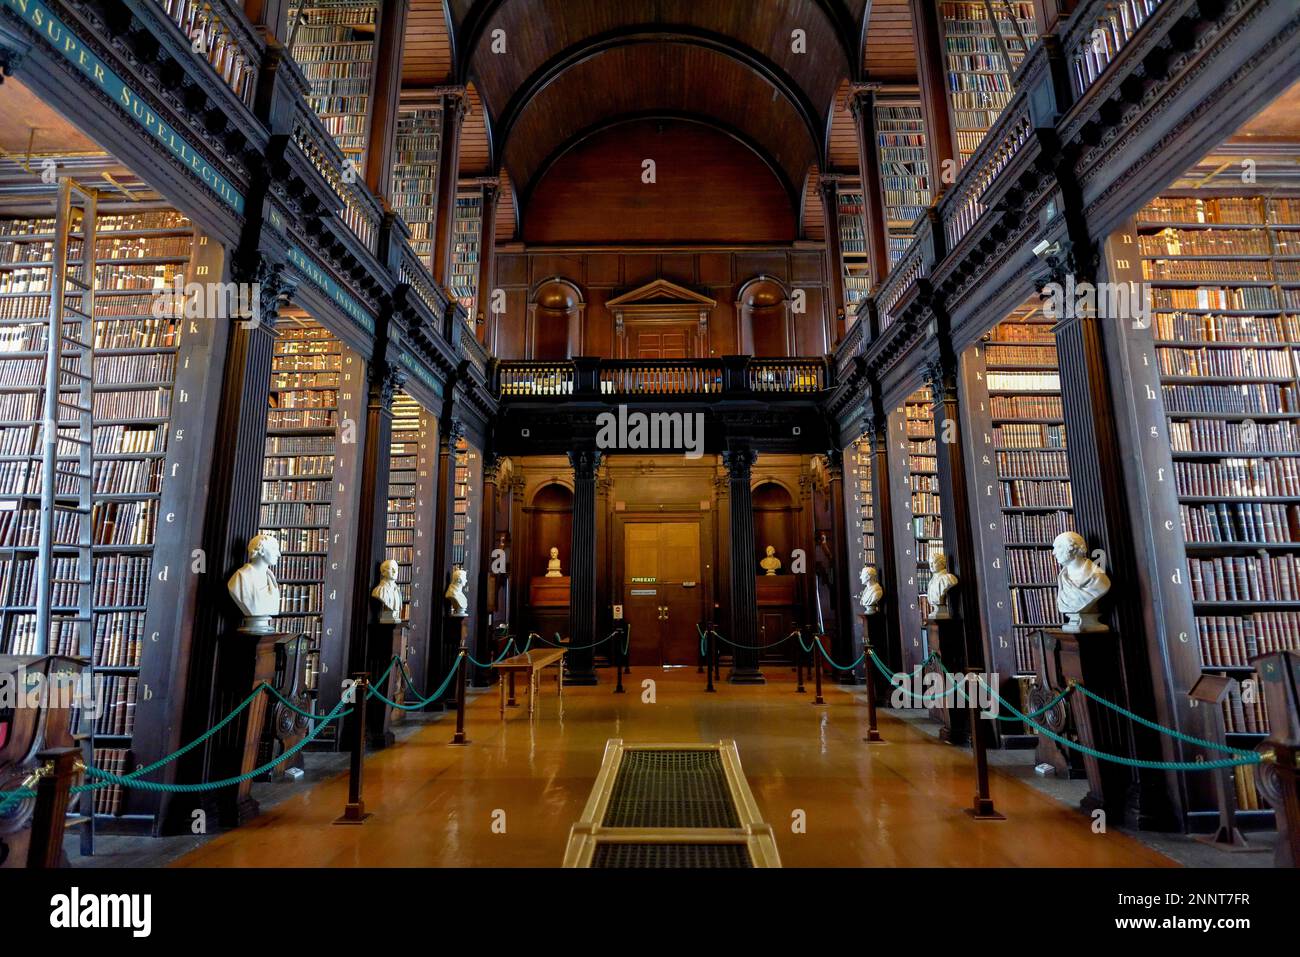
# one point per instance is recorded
(508, 798)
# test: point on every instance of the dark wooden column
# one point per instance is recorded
(739, 462)
(454, 107)
(230, 520)
(371, 526)
(384, 95)
(936, 107)
(862, 104)
(829, 189)
(883, 528)
(481, 644)
(1101, 516)
(954, 504)
(442, 642)
(847, 641)
(580, 669)
(486, 258)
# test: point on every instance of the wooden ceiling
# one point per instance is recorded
(549, 73)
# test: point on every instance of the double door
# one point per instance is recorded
(662, 591)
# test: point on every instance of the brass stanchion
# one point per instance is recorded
(355, 810)
(798, 667)
(872, 733)
(58, 768)
(620, 657)
(710, 654)
(817, 669)
(982, 809)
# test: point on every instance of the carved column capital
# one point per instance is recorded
(585, 463)
(386, 378)
(739, 463)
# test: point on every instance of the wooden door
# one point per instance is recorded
(661, 591)
(660, 341)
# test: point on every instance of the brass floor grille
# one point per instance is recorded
(691, 856)
(671, 789)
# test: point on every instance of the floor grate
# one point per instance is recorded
(671, 855)
(671, 789)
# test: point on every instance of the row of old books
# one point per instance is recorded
(1232, 640)
(1240, 522)
(1035, 528)
(119, 638)
(1240, 362)
(1245, 578)
(1239, 478)
(1259, 398)
(1208, 327)
(1220, 437)
(108, 800)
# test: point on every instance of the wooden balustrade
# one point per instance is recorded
(663, 377)
(227, 39)
(360, 211)
(415, 274)
(787, 375)
(962, 208)
(1097, 35)
(535, 378)
(912, 267)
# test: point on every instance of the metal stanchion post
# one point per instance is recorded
(620, 656)
(462, 663)
(817, 669)
(709, 656)
(355, 810)
(872, 733)
(982, 809)
(798, 663)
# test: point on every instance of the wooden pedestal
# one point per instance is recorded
(549, 592)
(946, 636)
(243, 662)
(1060, 719)
(386, 640)
(285, 727)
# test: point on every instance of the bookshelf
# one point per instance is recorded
(417, 145)
(308, 483)
(333, 41)
(904, 170)
(861, 514)
(142, 381)
(982, 56)
(467, 229)
(855, 270)
(1034, 493)
(410, 488)
(1217, 369)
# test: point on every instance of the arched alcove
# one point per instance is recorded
(775, 523)
(550, 523)
(763, 312)
(555, 320)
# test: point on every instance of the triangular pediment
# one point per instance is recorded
(661, 292)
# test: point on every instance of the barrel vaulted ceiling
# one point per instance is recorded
(549, 73)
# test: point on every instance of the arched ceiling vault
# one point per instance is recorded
(547, 70)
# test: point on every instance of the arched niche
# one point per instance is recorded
(555, 320)
(776, 523)
(763, 314)
(550, 523)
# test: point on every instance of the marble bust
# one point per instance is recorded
(253, 587)
(388, 594)
(455, 594)
(942, 581)
(770, 562)
(553, 564)
(1080, 585)
(872, 592)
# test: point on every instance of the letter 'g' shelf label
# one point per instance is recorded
(57, 34)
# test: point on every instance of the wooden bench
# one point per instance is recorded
(530, 663)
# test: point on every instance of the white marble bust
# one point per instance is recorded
(455, 594)
(872, 592)
(553, 564)
(942, 581)
(1080, 586)
(253, 587)
(770, 562)
(389, 594)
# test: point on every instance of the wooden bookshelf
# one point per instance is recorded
(334, 44)
(416, 151)
(904, 169)
(854, 269)
(861, 514)
(1218, 367)
(308, 484)
(982, 56)
(467, 231)
(412, 465)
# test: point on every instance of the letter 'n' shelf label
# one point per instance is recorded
(327, 284)
(55, 32)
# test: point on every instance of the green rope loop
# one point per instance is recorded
(757, 647)
(559, 644)
(1169, 731)
(861, 657)
(505, 653)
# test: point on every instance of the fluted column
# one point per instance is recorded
(454, 108)
(384, 98)
(846, 642)
(443, 642)
(862, 104)
(933, 78)
(834, 254)
(582, 569)
(486, 262)
(743, 632)
(487, 532)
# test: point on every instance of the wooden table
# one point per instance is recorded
(531, 663)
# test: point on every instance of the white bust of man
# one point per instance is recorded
(770, 562)
(388, 593)
(455, 595)
(553, 564)
(253, 586)
(1080, 586)
(942, 581)
(872, 592)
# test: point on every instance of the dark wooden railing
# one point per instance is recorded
(665, 377)
(219, 32)
(1098, 33)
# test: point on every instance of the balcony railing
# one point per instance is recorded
(220, 33)
(535, 378)
(360, 211)
(415, 273)
(664, 377)
(787, 375)
(962, 208)
(1095, 40)
(660, 377)
(912, 267)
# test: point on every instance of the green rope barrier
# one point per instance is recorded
(757, 647)
(421, 700)
(861, 657)
(505, 653)
(1163, 730)
(1250, 757)
(558, 644)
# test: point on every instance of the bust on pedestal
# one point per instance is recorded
(457, 602)
(942, 581)
(388, 593)
(253, 587)
(553, 564)
(384, 645)
(1080, 586)
(872, 592)
(770, 563)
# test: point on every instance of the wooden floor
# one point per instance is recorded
(884, 805)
